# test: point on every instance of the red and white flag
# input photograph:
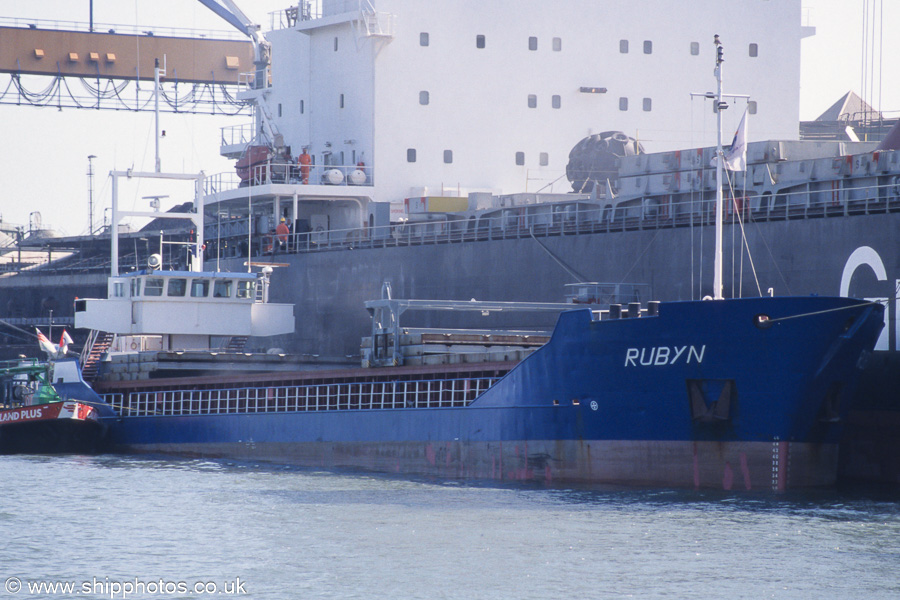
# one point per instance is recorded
(64, 341)
(46, 345)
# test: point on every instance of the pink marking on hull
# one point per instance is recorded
(548, 474)
(429, 454)
(745, 469)
(727, 477)
(696, 469)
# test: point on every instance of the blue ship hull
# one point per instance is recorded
(705, 394)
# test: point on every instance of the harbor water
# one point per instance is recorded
(138, 527)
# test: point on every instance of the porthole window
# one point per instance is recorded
(423, 98)
(623, 46)
(423, 38)
(557, 44)
(623, 103)
(532, 101)
(754, 50)
(520, 158)
(544, 159)
(532, 43)
(411, 155)
(648, 47)
(556, 101)
(448, 156)
(695, 48)
(648, 104)
(479, 41)
(751, 107)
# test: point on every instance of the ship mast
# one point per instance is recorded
(720, 106)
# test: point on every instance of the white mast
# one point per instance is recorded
(720, 106)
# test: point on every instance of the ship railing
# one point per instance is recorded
(118, 28)
(278, 172)
(237, 135)
(454, 392)
(257, 79)
(288, 18)
(833, 199)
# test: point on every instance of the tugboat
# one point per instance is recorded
(46, 407)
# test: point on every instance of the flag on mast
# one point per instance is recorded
(46, 345)
(64, 340)
(735, 157)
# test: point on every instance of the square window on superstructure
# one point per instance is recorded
(423, 38)
(648, 47)
(448, 156)
(648, 104)
(623, 46)
(479, 41)
(153, 287)
(556, 101)
(623, 103)
(695, 48)
(544, 159)
(520, 158)
(751, 107)
(177, 287)
(532, 43)
(423, 97)
(222, 288)
(411, 155)
(119, 289)
(245, 289)
(532, 101)
(754, 50)
(199, 288)
(557, 44)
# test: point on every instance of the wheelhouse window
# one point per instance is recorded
(222, 288)
(135, 287)
(245, 289)
(119, 289)
(154, 286)
(177, 287)
(199, 288)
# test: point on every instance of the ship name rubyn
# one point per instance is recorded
(663, 355)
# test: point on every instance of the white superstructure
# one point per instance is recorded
(447, 98)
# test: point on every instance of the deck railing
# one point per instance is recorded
(541, 220)
(348, 395)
